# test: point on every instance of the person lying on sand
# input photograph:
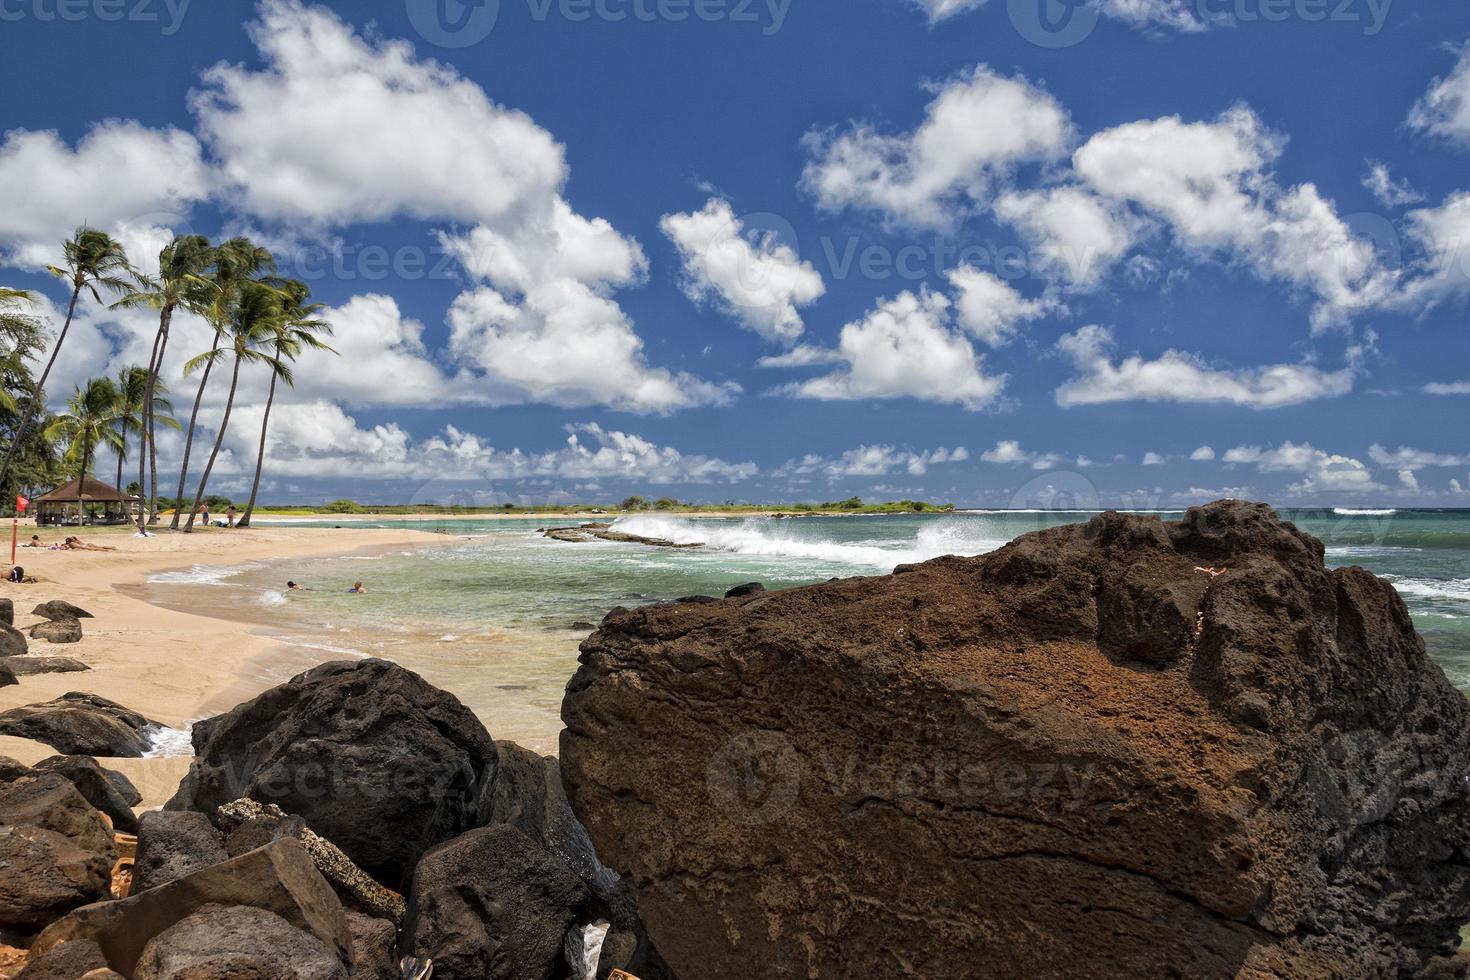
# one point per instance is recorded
(77, 544)
(34, 542)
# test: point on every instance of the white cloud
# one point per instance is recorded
(121, 177)
(1455, 487)
(563, 344)
(1009, 452)
(1386, 191)
(1442, 235)
(1078, 236)
(902, 349)
(1445, 109)
(1153, 459)
(1447, 388)
(1176, 376)
(318, 439)
(1408, 480)
(989, 309)
(980, 126)
(761, 283)
(1212, 183)
(1322, 472)
(1406, 458)
(1203, 454)
(381, 359)
(872, 461)
(939, 10)
(337, 129)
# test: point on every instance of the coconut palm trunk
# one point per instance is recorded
(260, 455)
(218, 441)
(28, 415)
(145, 447)
(189, 437)
(152, 427)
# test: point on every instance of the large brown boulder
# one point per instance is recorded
(370, 755)
(58, 609)
(236, 943)
(110, 792)
(58, 631)
(1124, 748)
(49, 800)
(82, 724)
(173, 845)
(44, 875)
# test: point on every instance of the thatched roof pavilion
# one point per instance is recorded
(85, 500)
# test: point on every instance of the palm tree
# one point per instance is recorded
(254, 322)
(90, 420)
(21, 336)
(181, 283)
(237, 261)
(92, 259)
(135, 412)
(295, 331)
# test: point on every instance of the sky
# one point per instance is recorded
(1027, 253)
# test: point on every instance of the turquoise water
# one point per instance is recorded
(496, 614)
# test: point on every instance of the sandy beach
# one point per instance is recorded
(169, 665)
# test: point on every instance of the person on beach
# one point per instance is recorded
(34, 542)
(357, 589)
(77, 544)
(230, 516)
(206, 515)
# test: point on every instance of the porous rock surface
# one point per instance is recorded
(1129, 747)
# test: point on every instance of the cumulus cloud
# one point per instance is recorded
(939, 10)
(1077, 236)
(1407, 458)
(1009, 452)
(1447, 388)
(1445, 109)
(121, 177)
(979, 128)
(989, 309)
(1442, 267)
(1153, 459)
(1203, 454)
(1212, 183)
(878, 460)
(759, 282)
(1176, 376)
(1322, 471)
(902, 349)
(319, 439)
(1386, 191)
(1172, 14)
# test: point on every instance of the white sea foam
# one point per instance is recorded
(269, 598)
(199, 575)
(1433, 588)
(169, 743)
(1363, 512)
(766, 538)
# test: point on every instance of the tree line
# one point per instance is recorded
(259, 320)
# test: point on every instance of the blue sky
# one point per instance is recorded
(1152, 254)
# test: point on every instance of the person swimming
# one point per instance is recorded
(357, 589)
(292, 586)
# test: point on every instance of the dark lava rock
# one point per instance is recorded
(65, 962)
(1085, 748)
(7, 612)
(12, 642)
(278, 878)
(60, 609)
(30, 666)
(48, 800)
(261, 831)
(44, 875)
(173, 845)
(7, 673)
(236, 943)
(697, 600)
(374, 948)
(370, 755)
(58, 631)
(10, 769)
(529, 796)
(82, 724)
(110, 792)
(741, 591)
(491, 905)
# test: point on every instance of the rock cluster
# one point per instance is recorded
(1124, 748)
(344, 819)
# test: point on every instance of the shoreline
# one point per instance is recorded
(171, 665)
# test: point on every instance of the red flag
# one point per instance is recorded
(21, 503)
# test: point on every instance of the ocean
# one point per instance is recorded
(496, 614)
